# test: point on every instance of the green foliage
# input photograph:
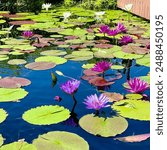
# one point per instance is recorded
(69, 3)
(34, 6)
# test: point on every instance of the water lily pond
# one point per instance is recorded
(74, 79)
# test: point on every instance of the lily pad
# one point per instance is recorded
(105, 127)
(145, 61)
(53, 53)
(3, 57)
(53, 59)
(60, 140)
(21, 145)
(1, 140)
(134, 138)
(113, 97)
(133, 109)
(117, 67)
(7, 95)
(40, 65)
(123, 55)
(88, 66)
(17, 62)
(46, 115)
(3, 116)
(134, 96)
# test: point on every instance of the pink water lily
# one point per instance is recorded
(102, 66)
(126, 40)
(70, 87)
(104, 29)
(113, 32)
(95, 102)
(121, 28)
(27, 34)
(137, 85)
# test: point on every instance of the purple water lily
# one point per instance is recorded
(137, 85)
(102, 66)
(125, 40)
(104, 29)
(70, 87)
(95, 102)
(27, 34)
(121, 28)
(113, 32)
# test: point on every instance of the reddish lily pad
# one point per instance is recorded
(40, 65)
(22, 22)
(105, 46)
(99, 81)
(113, 97)
(135, 49)
(134, 138)
(90, 72)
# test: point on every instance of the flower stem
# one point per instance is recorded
(75, 103)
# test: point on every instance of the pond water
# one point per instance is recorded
(42, 92)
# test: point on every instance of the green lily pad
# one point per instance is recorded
(3, 116)
(21, 145)
(134, 96)
(53, 59)
(105, 127)
(17, 62)
(2, 21)
(117, 67)
(53, 53)
(88, 66)
(7, 95)
(145, 78)
(145, 61)
(3, 57)
(60, 140)
(123, 55)
(133, 109)
(1, 140)
(46, 115)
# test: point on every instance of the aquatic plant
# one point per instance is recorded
(120, 28)
(102, 66)
(137, 85)
(112, 32)
(99, 15)
(46, 6)
(27, 34)
(66, 15)
(95, 102)
(70, 87)
(125, 40)
(104, 29)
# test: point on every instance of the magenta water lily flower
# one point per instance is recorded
(104, 29)
(113, 32)
(27, 34)
(137, 85)
(126, 40)
(70, 87)
(120, 28)
(95, 102)
(102, 66)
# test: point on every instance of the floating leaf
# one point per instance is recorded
(105, 127)
(7, 95)
(40, 65)
(123, 55)
(53, 59)
(113, 97)
(117, 67)
(60, 140)
(3, 57)
(17, 62)
(133, 109)
(134, 96)
(3, 116)
(53, 53)
(21, 145)
(46, 115)
(1, 140)
(145, 61)
(134, 138)
(88, 66)
(99, 81)
(59, 73)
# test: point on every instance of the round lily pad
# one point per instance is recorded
(46, 115)
(40, 65)
(7, 95)
(113, 97)
(145, 61)
(117, 67)
(1, 140)
(105, 127)
(53, 59)
(134, 96)
(88, 66)
(21, 145)
(17, 62)
(53, 53)
(133, 109)
(3, 116)
(60, 140)
(3, 57)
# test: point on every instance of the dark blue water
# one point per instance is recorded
(41, 92)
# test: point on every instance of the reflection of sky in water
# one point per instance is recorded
(42, 93)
